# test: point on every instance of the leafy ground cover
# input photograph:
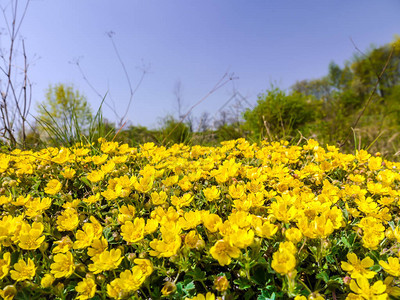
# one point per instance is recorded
(238, 221)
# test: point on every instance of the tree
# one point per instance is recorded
(66, 111)
(318, 88)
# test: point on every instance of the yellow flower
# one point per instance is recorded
(212, 222)
(116, 289)
(30, 237)
(108, 147)
(53, 187)
(181, 201)
(4, 160)
(374, 163)
(372, 238)
(128, 282)
(37, 206)
(190, 220)
(99, 160)
(264, 229)
(96, 176)
(133, 232)
(193, 240)
(392, 266)
(364, 291)
(108, 167)
(68, 173)
(208, 296)
(144, 185)
(92, 199)
(98, 229)
(47, 281)
(358, 268)
(126, 213)
(63, 265)
(168, 246)
(170, 181)
(185, 184)
(240, 238)
(158, 198)
(21, 200)
(211, 193)
(97, 246)
(151, 226)
(283, 211)
(5, 199)
(283, 262)
(68, 220)
(63, 246)
(84, 237)
(391, 289)
(86, 289)
(5, 265)
(223, 252)
(145, 265)
(107, 260)
(294, 235)
(23, 270)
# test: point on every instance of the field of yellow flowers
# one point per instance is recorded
(239, 221)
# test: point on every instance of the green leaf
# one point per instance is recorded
(190, 286)
(242, 283)
(346, 242)
(108, 234)
(197, 274)
(260, 274)
(323, 275)
(266, 295)
(376, 268)
(86, 181)
(249, 295)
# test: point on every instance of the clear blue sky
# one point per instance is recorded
(196, 42)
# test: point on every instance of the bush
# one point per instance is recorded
(278, 115)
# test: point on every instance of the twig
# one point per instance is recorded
(370, 97)
(18, 110)
(131, 90)
(223, 81)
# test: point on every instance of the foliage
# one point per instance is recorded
(64, 113)
(173, 131)
(238, 221)
(278, 115)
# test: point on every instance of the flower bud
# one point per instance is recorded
(221, 283)
(168, 288)
(9, 292)
(347, 279)
(43, 247)
(100, 278)
(59, 289)
(47, 281)
(131, 257)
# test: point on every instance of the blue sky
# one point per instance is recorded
(263, 43)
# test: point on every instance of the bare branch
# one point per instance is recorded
(223, 81)
(370, 96)
(15, 98)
